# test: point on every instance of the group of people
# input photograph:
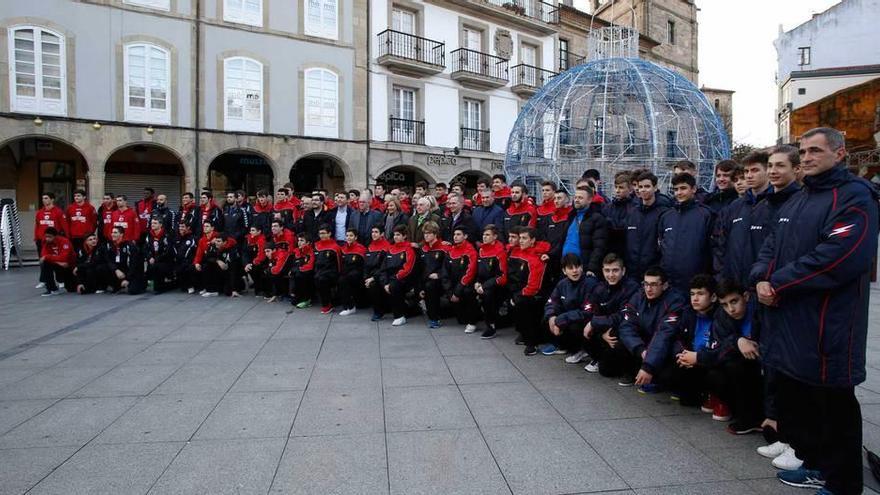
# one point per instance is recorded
(750, 301)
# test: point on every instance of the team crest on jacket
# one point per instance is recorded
(841, 230)
(672, 319)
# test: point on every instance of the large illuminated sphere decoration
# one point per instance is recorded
(613, 114)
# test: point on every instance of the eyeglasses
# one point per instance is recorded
(652, 284)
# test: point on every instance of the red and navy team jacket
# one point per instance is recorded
(433, 257)
(461, 267)
(399, 263)
(525, 272)
(353, 256)
(492, 265)
(328, 262)
(375, 257)
(818, 260)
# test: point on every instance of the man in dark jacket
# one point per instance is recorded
(642, 221)
(521, 212)
(488, 213)
(339, 217)
(617, 210)
(684, 235)
(457, 217)
(363, 219)
(650, 323)
(313, 218)
(813, 275)
(587, 233)
(235, 221)
(737, 235)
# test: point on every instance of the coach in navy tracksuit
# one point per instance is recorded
(813, 277)
(684, 234)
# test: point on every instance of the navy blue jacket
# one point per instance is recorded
(818, 260)
(642, 249)
(566, 299)
(719, 199)
(488, 215)
(651, 325)
(603, 306)
(685, 233)
(738, 236)
(616, 212)
(724, 333)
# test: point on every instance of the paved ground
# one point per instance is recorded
(178, 394)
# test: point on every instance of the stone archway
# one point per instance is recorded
(241, 169)
(129, 169)
(318, 171)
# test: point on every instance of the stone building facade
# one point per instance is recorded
(115, 95)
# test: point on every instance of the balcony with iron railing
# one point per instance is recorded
(535, 16)
(567, 60)
(527, 79)
(478, 69)
(409, 54)
(406, 131)
(474, 139)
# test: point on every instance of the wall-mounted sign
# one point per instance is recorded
(438, 160)
(496, 165)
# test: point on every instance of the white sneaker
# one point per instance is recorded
(470, 328)
(577, 357)
(190, 291)
(210, 294)
(773, 450)
(787, 461)
(399, 321)
(349, 311)
(202, 292)
(60, 285)
(40, 285)
(99, 291)
(592, 367)
(423, 306)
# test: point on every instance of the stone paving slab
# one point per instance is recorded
(179, 394)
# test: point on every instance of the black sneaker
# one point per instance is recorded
(740, 428)
(519, 341)
(530, 350)
(488, 333)
(626, 381)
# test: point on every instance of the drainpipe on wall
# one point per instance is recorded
(198, 96)
(369, 83)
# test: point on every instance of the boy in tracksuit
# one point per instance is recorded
(278, 265)
(553, 228)
(521, 212)
(684, 235)
(373, 260)
(184, 252)
(255, 261)
(221, 267)
(650, 323)
(603, 312)
(159, 252)
(641, 225)
(432, 253)
(618, 209)
(352, 280)
(57, 261)
(491, 279)
(394, 276)
(526, 273)
(562, 311)
(328, 267)
(302, 272)
(89, 277)
(124, 263)
(461, 272)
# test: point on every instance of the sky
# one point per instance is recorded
(736, 52)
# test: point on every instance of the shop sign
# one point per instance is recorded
(439, 160)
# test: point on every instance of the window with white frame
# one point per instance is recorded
(321, 18)
(37, 72)
(147, 83)
(243, 88)
(403, 21)
(404, 128)
(243, 11)
(321, 103)
(471, 125)
(153, 4)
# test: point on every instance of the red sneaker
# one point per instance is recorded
(708, 406)
(326, 310)
(721, 412)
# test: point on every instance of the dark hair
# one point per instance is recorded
(352, 230)
(646, 175)
(587, 189)
(562, 191)
(79, 191)
(835, 138)
(207, 194)
(684, 178)
(320, 196)
(422, 184)
(703, 281)
(120, 229)
(516, 229)
(612, 258)
(152, 191)
(50, 231)
(269, 245)
(491, 228)
(501, 177)
(51, 195)
(521, 185)
(326, 228)
(484, 181)
(530, 231)
(283, 190)
(380, 184)
(461, 228)
(239, 192)
(737, 173)
(792, 153)
(727, 287)
(591, 173)
(379, 226)
(112, 196)
(726, 166)
(356, 193)
(656, 271)
(304, 236)
(551, 184)
(123, 196)
(262, 193)
(401, 229)
(571, 260)
(759, 157)
(441, 185)
(279, 222)
(685, 164)
(191, 195)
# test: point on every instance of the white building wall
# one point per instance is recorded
(844, 35)
(442, 111)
